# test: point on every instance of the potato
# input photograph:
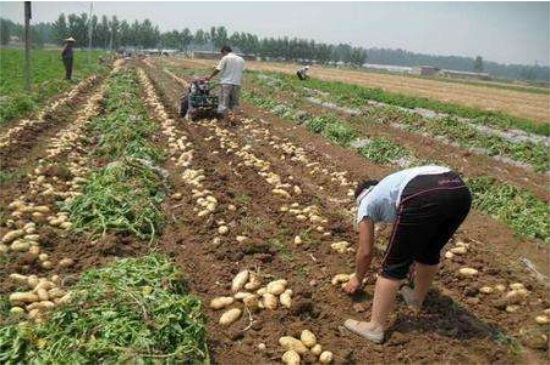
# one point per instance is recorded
(340, 246)
(230, 316)
(340, 278)
(32, 281)
(46, 265)
(12, 235)
(20, 246)
(308, 338)
(460, 250)
(251, 302)
(293, 344)
(261, 291)
(66, 225)
(546, 311)
(297, 240)
(513, 297)
(221, 302)
(42, 209)
(66, 262)
(291, 358)
(43, 284)
(241, 295)
(46, 304)
(286, 300)
(231, 208)
(486, 290)
(17, 311)
(24, 297)
(32, 237)
(282, 193)
(517, 286)
(301, 218)
(276, 289)
(253, 282)
(241, 239)
(512, 308)
(58, 293)
(542, 320)
(42, 294)
(467, 272)
(317, 350)
(326, 357)
(500, 288)
(176, 196)
(270, 301)
(4, 248)
(239, 280)
(20, 278)
(223, 230)
(33, 313)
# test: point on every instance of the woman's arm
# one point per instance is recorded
(364, 255)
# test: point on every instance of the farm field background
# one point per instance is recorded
(120, 219)
(47, 78)
(519, 104)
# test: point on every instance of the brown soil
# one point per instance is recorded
(453, 328)
(467, 335)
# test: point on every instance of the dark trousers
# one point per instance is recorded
(68, 63)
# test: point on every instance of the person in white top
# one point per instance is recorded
(426, 205)
(231, 69)
(302, 73)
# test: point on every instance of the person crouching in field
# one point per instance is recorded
(67, 57)
(426, 204)
(231, 69)
(302, 73)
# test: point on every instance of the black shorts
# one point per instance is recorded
(431, 209)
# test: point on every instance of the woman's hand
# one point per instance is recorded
(352, 285)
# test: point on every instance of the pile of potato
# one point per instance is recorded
(295, 347)
(247, 288)
(43, 295)
(308, 214)
(460, 249)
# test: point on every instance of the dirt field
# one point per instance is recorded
(459, 324)
(519, 104)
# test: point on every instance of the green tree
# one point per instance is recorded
(60, 30)
(4, 32)
(478, 64)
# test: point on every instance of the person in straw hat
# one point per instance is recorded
(67, 56)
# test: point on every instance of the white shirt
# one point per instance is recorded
(381, 203)
(231, 69)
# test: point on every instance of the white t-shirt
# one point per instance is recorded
(231, 69)
(381, 203)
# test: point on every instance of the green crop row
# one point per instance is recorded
(47, 75)
(518, 208)
(357, 96)
(124, 195)
(535, 154)
(137, 311)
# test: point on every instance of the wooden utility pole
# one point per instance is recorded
(28, 80)
(90, 33)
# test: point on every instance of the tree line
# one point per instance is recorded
(112, 33)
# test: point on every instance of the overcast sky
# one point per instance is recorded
(505, 32)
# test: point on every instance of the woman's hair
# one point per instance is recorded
(226, 49)
(365, 184)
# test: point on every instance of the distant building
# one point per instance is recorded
(389, 68)
(464, 75)
(424, 70)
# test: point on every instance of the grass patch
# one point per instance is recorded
(138, 311)
(48, 76)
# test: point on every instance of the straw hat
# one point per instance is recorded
(70, 39)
